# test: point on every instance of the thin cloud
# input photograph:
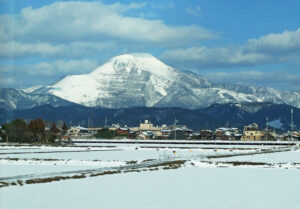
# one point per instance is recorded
(196, 11)
(203, 57)
(58, 67)
(272, 48)
(7, 81)
(43, 72)
(15, 49)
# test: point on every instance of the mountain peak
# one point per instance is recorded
(140, 79)
(133, 56)
(137, 62)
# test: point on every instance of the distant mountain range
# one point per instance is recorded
(141, 80)
(214, 116)
(13, 99)
(134, 87)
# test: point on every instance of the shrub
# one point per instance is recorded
(105, 133)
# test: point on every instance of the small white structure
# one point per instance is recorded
(146, 135)
(76, 131)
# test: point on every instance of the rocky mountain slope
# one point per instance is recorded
(16, 99)
(141, 80)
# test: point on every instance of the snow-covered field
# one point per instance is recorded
(134, 176)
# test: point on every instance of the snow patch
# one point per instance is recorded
(276, 123)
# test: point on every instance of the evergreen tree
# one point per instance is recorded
(105, 133)
(54, 128)
(65, 128)
(53, 133)
(37, 126)
(17, 131)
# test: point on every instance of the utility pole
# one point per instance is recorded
(292, 123)
(267, 128)
(205, 129)
(105, 122)
(91, 121)
(175, 122)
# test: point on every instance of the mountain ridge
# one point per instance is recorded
(215, 116)
(11, 98)
(142, 80)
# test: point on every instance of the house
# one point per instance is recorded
(146, 135)
(123, 131)
(78, 131)
(223, 133)
(252, 132)
(238, 136)
(114, 127)
(178, 133)
(148, 126)
(188, 132)
(296, 136)
(206, 134)
(165, 133)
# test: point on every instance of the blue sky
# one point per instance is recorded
(234, 41)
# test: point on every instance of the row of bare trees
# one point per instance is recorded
(35, 131)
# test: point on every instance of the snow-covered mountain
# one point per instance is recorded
(265, 94)
(142, 80)
(32, 89)
(11, 99)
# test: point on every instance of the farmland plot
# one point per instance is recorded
(132, 176)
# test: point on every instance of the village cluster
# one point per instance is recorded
(147, 130)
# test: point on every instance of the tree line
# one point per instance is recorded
(33, 132)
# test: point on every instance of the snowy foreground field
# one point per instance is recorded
(135, 176)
